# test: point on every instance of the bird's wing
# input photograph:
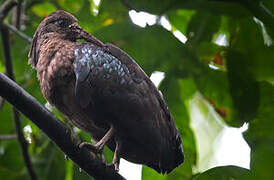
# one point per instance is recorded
(105, 69)
(109, 72)
(139, 76)
(110, 68)
(165, 118)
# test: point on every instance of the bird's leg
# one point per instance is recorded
(99, 146)
(116, 157)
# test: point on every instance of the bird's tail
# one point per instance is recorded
(171, 157)
(174, 157)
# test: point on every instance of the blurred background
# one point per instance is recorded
(213, 60)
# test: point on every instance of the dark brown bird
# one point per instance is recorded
(105, 93)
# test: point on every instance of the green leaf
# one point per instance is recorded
(207, 126)
(71, 5)
(224, 173)
(202, 27)
(248, 38)
(11, 162)
(43, 9)
(260, 134)
(109, 12)
(214, 86)
(244, 89)
(180, 19)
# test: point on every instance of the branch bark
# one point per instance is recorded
(55, 130)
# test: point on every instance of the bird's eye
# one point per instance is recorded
(61, 22)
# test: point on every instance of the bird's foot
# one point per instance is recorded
(97, 148)
(114, 166)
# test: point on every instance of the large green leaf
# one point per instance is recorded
(260, 134)
(207, 127)
(249, 40)
(244, 89)
(202, 27)
(214, 86)
(224, 173)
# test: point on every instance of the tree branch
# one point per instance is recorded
(18, 13)
(5, 8)
(16, 118)
(55, 129)
(16, 31)
(8, 136)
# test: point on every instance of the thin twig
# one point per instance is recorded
(16, 118)
(18, 14)
(8, 136)
(5, 8)
(55, 130)
(19, 33)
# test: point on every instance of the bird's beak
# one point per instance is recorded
(80, 33)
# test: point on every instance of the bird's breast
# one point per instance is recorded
(54, 68)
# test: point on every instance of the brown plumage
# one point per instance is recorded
(105, 93)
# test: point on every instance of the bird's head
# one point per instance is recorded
(59, 24)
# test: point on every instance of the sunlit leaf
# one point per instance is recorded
(180, 19)
(71, 5)
(43, 9)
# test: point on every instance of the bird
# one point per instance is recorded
(104, 92)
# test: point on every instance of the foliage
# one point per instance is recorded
(236, 78)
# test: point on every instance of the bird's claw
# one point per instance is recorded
(91, 147)
(114, 166)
